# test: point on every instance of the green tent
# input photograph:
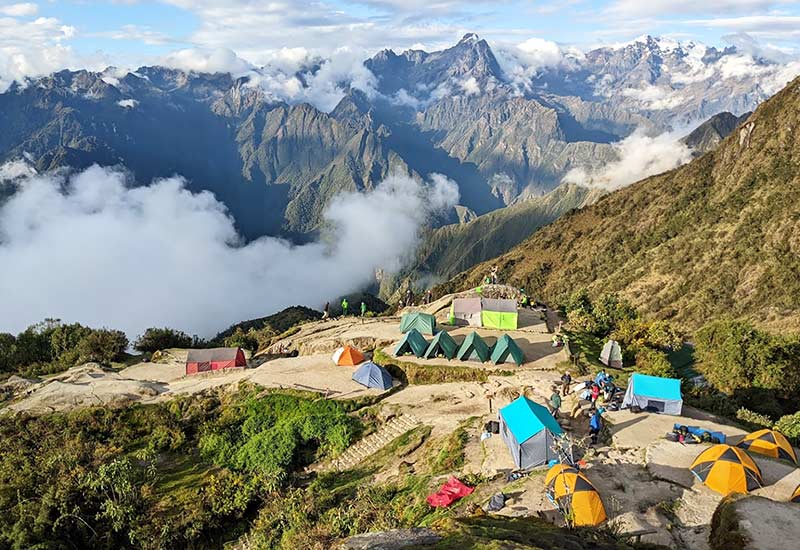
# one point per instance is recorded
(499, 314)
(412, 342)
(473, 347)
(423, 322)
(442, 344)
(504, 347)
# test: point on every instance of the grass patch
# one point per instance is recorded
(415, 374)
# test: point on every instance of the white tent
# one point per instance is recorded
(611, 355)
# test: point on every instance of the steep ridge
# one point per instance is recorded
(718, 236)
(710, 134)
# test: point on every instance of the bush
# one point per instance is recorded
(753, 419)
(156, 339)
(598, 317)
(789, 426)
(245, 340)
(102, 346)
(654, 363)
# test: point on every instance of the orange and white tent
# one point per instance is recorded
(347, 356)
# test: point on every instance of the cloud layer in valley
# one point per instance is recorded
(89, 248)
(638, 156)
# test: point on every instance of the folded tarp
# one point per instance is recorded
(450, 492)
(698, 432)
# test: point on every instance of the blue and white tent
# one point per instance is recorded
(373, 376)
(530, 433)
(654, 393)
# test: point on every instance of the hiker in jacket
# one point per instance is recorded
(595, 394)
(596, 424)
(344, 306)
(566, 380)
(363, 309)
(555, 402)
(327, 311)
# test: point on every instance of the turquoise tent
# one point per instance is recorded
(654, 393)
(530, 432)
(412, 342)
(442, 344)
(504, 347)
(473, 348)
(423, 322)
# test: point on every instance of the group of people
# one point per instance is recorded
(326, 311)
(408, 300)
(594, 389)
(492, 278)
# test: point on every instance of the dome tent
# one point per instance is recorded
(373, 376)
(347, 356)
(577, 499)
(611, 356)
(727, 469)
(769, 443)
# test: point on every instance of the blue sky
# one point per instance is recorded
(38, 36)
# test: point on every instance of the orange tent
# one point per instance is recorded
(348, 357)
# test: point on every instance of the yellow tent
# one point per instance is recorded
(726, 470)
(769, 443)
(577, 499)
(557, 469)
(796, 495)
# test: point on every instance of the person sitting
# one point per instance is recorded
(600, 377)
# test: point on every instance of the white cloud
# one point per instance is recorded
(25, 9)
(216, 60)
(656, 97)
(522, 62)
(639, 156)
(127, 103)
(88, 248)
(639, 8)
(470, 86)
(14, 170)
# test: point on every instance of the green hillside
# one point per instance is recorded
(719, 236)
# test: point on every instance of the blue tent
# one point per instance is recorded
(529, 431)
(373, 376)
(654, 393)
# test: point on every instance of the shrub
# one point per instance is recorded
(241, 339)
(753, 418)
(654, 363)
(102, 346)
(789, 426)
(155, 339)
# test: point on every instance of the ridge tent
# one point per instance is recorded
(373, 376)
(769, 443)
(499, 314)
(347, 356)
(529, 431)
(611, 356)
(442, 344)
(727, 469)
(423, 322)
(473, 348)
(662, 395)
(466, 311)
(412, 342)
(204, 360)
(504, 347)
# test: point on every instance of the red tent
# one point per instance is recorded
(450, 492)
(204, 360)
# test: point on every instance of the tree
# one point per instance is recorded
(8, 352)
(655, 363)
(155, 339)
(241, 339)
(102, 346)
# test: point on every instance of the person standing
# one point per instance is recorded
(566, 380)
(428, 297)
(363, 309)
(345, 305)
(327, 311)
(596, 424)
(555, 402)
(595, 394)
(409, 297)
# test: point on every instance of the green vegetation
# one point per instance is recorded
(259, 333)
(725, 533)
(413, 373)
(181, 474)
(155, 339)
(715, 237)
(52, 346)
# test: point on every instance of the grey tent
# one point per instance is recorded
(473, 348)
(442, 344)
(373, 376)
(654, 393)
(412, 342)
(530, 433)
(466, 311)
(611, 355)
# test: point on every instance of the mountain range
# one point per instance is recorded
(500, 129)
(717, 237)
